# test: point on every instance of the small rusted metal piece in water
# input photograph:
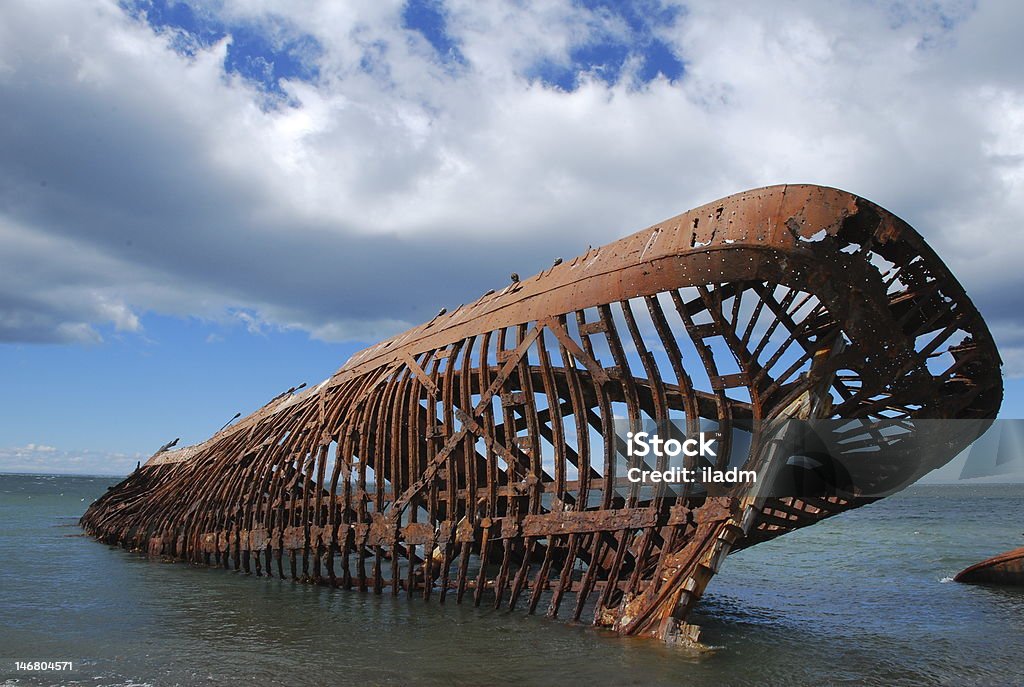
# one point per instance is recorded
(1006, 568)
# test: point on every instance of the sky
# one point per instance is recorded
(203, 204)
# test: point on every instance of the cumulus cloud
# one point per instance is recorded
(394, 169)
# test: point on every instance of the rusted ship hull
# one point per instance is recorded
(476, 457)
(1006, 569)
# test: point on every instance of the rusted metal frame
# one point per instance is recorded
(317, 454)
(722, 403)
(642, 553)
(619, 445)
(628, 386)
(537, 476)
(230, 513)
(529, 546)
(263, 463)
(469, 511)
(552, 422)
(337, 517)
(606, 600)
(778, 309)
(685, 384)
(216, 509)
(533, 428)
(418, 371)
(376, 459)
(530, 543)
(585, 330)
(118, 516)
(465, 420)
(870, 409)
(575, 394)
(794, 335)
(567, 499)
(182, 515)
(254, 499)
(749, 366)
(412, 438)
(930, 324)
(508, 418)
(288, 509)
(164, 507)
(300, 456)
(607, 430)
(491, 478)
(748, 363)
(908, 304)
(371, 387)
(326, 504)
(670, 589)
(565, 575)
(443, 458)
(489, 423)
(738, 289)
(501, 581)
(587, 584)
(583, 421)
(485, 400)
(660, 414)
(364, 450)
(202, 508)
(280, 457)
(410, 537)
(382, 455)
(347, 515)
(135, 524)
(941, 337)
(401, 411)
(312, 451)
(755, 315)
(584, 356)
(660, 400)
(352, 443)
(677, 528)
(545, 432)
(540, 581)
(180, 498)
(786, 374)
(431, 446)
(177, 515)
(122, 520)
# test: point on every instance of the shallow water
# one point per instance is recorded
(863, 598)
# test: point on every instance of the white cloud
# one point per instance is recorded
(43, 459)
(136, 179)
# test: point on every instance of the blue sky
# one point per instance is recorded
(196, 199)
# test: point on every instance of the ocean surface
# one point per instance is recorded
(863, 598)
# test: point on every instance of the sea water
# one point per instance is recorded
(863, 598)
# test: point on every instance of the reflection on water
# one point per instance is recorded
(854, 600)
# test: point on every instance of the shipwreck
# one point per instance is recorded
(477, 458)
